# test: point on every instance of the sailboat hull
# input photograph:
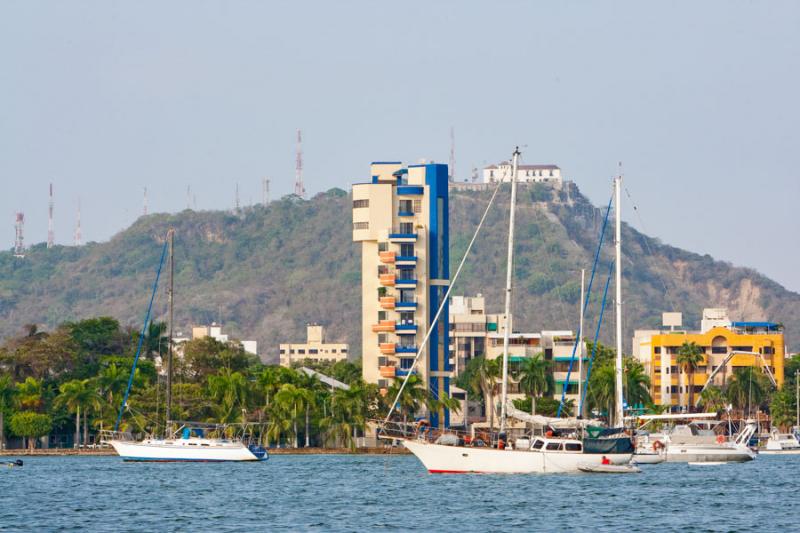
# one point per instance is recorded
(191, 450)
(442, 459)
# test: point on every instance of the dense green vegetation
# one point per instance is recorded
(268, 271)
(71, 381)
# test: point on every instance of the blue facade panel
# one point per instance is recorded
(436, 177)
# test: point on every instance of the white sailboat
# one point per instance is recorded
(550, 454)
(190, 441)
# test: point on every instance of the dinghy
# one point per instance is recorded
(609, 469)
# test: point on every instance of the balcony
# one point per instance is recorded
(405, 329)
(406, 304)
(387, 257)
(384, 326)
(402, 373)
(387, 371)
(403, 235)
(410, 189)
(407, 259)
(387, 280)
(387, 302)
(405, 214)
(411, 350)
(406, 282)
(387, 348)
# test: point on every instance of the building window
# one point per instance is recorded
(407, 317)
(417, 206)
(360, 203)
(383, 246)
(406, 206)
(383, 269)
(360, 225)
(407, 249)
(301, 351)
(283, 351)
(768, 350)
(313, 351)
(406, 227)
(383, 338)
(344, 350)
(719, 349)
(742, 348)
(381, 315)
(382, 361)
(382, 384)
(657, 349)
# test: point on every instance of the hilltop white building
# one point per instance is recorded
(525, 173)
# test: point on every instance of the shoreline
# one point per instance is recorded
(102, 452)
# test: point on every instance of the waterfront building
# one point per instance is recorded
(474, 333)
(315, 349)
(215, 332)
(525, 173)
(400, 218)
(725, 344)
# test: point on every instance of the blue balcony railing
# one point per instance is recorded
(406, 258)
(410, 189)
(403, 372)
(397, 236)
(405, 349)
(405, 281)
(401, 329)
(405, 305)
(405, 214)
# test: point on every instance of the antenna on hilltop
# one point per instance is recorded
(19, 243)
(78, 234)
(188, 197)
(236, 202)
(452, 176)
(144, 206)
(299, 188)
(50, 231)
(264, 191)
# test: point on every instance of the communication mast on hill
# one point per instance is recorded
(264, 191)
(452, 176)
(144, 205)
(19, 243)
(78, 235)
(50, 232)
(299, 189)
(236, 202)
(188, 197)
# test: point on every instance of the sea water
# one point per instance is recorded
(373, 493)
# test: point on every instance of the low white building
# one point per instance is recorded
(525, 173)
(314, 349)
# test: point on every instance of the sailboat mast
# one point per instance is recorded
(619, 412)
(580, 344)
(168, 414)
(509, 273)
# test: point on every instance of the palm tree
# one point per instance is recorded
(535, 378)
(7, 392)
(75, 395)
(637, 383)
(712, 399)
(291, 400)
(414, 396)
(746, 388)
(30, 394)
(601, 389)
(311, 386)
(690, 355)
(350, 409)
(230, 392)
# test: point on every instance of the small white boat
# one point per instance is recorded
(609, 469)
(781, 444)
(648, 458)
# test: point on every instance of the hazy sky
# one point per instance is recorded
(698, 99)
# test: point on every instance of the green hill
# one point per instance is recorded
(266, 272)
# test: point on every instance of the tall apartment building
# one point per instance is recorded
(401, 220)
(726, 345)
(314, 349)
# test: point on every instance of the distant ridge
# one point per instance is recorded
(267, 272)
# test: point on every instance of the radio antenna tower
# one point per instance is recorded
(188, 197)
(78, 235)
(144, 205)
(264, 191)
(50, 232)
(19, 243)
(452, 154)
(236, 204)
(299, 189)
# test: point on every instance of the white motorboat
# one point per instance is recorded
(610, 469)
(686, 444)
(781, 444)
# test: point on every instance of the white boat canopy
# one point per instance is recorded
(674, 416)
(540, 420)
